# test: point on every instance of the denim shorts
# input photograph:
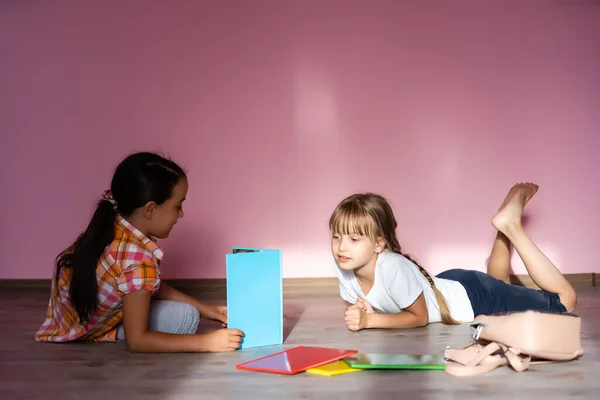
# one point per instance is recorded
(489, 295)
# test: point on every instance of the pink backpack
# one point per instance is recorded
(516, 339)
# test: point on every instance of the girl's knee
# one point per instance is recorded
(569, 300)
(190, 318)
(174, 317)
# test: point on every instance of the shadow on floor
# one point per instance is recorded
(291, 315)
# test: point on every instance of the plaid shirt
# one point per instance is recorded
(129, 263)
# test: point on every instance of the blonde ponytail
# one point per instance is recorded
(444, 310)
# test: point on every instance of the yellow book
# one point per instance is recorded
(334, 368)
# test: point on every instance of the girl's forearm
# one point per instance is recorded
(402, 319)
(159, 342)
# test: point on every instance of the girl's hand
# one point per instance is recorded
(217, 313)
(224, 340)
(366, 307)
(356, 317)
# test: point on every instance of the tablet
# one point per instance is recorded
(295, 360)
(396, 361)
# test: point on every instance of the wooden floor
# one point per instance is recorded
(30, 370)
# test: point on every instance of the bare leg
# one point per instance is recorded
(499, 261)
(539, 267)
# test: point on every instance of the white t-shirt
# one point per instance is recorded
(398, 283)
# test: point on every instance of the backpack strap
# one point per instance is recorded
(476, 359)
(518, 361)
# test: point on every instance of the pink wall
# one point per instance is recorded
(279, 109)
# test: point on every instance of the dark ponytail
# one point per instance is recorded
(139, 179)
(88, 248)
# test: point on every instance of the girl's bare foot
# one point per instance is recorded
(530, 188)
(541, 270)
(509, 214)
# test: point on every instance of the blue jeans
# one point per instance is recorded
(170, 317)
(489, 295)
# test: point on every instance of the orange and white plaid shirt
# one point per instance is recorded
(129, 263)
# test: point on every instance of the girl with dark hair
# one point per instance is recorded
(107, 285)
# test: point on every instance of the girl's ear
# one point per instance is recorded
(149, 209)
(379, 245)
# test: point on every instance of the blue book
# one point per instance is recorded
(255, 295)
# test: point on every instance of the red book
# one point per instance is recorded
(295, 360)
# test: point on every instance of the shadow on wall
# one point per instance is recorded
(193, 251)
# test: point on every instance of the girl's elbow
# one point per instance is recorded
(423, 321)
(135, 345)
